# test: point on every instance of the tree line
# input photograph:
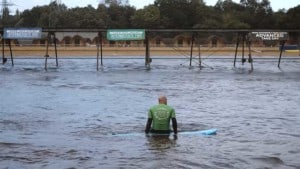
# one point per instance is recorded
(162, 14)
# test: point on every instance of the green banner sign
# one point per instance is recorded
(125, 34)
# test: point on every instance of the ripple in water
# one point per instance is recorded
(66, 117)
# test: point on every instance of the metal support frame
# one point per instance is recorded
(199, 54)
(3, 53)
(192, 49)
(237, 47)
(148, 60)
(55, 47)
(11, 54)
(242, 34)
(4, 59)
(47, 50)
(99, 50)
(49, 39)
(191, 52)
(243, 48)
(245, 41)
(282, 43)
(250, 60)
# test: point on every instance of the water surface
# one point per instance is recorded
(66, 117)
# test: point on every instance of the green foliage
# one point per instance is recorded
(181, 13)
(174, 14)
(293, 18)
(120, 16)
(149, 17)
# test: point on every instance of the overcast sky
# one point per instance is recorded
(24, 4)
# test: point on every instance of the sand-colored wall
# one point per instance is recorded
(140, 51)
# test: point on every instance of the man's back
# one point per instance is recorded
(161, 115)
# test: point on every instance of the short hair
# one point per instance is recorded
(162, 99)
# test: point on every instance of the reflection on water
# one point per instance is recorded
(66, 117)
(161, 143)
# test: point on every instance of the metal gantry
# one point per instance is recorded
(242, 36)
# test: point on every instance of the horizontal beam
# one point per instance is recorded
(170, 30)
(223, 30)
(73, 30)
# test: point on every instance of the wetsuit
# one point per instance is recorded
(161, 115)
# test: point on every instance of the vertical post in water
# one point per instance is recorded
(99, 50)
(11, 54)
(281, 50)
(98, 46)
(101, 47)
(3, 54)
(147, 54)
(199, 54)
(236, 49)
(191, 53)
(243, 48)
(250, 55)
(47, 50)
(4, 60)
(55, 46)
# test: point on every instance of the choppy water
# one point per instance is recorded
(65, 117)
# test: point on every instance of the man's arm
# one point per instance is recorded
(148, 125)
(174, 124)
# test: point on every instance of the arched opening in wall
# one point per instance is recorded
(214, 41)
(189, 41)
(158, 42)
(180, 42)
(67, 41)
(35, 42)
(77, 41)
(57, 41)
(16, 42)
(112, 43)
(127, 43)
(88, 42)
(42, 42)
(95, 41)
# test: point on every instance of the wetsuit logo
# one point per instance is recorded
(162, 114)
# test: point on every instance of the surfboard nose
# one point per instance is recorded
(209, 132)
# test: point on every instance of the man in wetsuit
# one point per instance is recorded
(161, 115)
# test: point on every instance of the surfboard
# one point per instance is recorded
(201, 132)
(198, 132)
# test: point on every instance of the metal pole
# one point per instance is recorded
(199, 52)
(243, 50)
(98, 51)
(101, 48)
(47, 50)
(3, 54)
(250, 55)
(147, 55)
(236, 49)
(55, 46)
(281, 50)
(192, 45)
(11, 54)
(46, 63)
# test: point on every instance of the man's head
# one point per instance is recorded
(162, 100)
